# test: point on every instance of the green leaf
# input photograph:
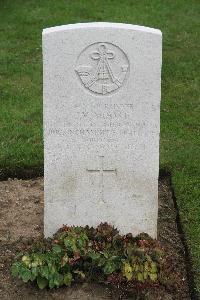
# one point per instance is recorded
(94, 256)
(127, 271)
(57, 249)
(51, 283)
(109, 267)
(70, 244)
(58, 279)
(15, 269)
(52, 269)
(67, 279)
(154, 269)
(140, 276)
(153, 276)
(42, 282)
(25, 274)
(34, 273)
(81, 241)
(44, 271)
(145, 275)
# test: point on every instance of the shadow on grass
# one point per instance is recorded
(21, 173)
(164, 173)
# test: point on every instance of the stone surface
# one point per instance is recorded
(101, 126)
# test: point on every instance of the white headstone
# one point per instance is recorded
(101, 126)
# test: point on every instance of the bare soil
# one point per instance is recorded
(21, 219)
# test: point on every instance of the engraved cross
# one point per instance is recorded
(101, 172)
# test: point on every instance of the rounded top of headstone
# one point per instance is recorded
(102, 25)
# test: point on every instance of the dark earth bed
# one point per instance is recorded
(21, 218)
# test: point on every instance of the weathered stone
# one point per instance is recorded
(101, 126)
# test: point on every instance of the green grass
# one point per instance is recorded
(21, 24)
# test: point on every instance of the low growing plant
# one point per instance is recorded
(79, 254)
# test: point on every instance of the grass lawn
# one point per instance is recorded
(21, 24)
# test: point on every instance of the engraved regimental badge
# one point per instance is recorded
(102, 68)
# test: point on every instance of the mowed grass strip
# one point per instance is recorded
(21, 146)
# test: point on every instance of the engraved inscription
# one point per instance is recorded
(101, 171)
(102, 68)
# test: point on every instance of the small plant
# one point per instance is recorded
(78, 254)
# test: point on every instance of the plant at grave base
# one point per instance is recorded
(78, 254)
